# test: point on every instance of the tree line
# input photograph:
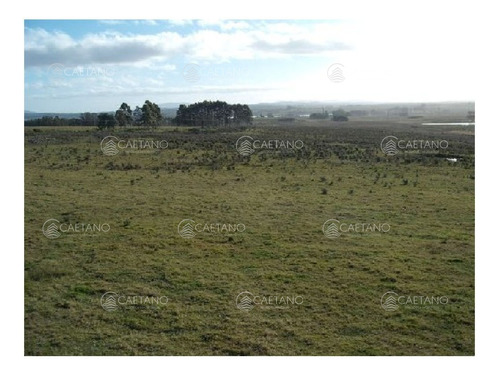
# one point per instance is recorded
(213, 113)
(147, 115)
(206, 113)
(339, 115)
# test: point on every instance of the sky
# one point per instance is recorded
(95, 65)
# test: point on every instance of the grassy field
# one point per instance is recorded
(283, 198)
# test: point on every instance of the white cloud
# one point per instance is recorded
(235, 25)
(180, 22)
(43, 48)
(209, 22)
(148, 22)
(112, 22)
(43, 40)
(224, 25)
(393, 60)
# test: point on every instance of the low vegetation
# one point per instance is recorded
(283, 197)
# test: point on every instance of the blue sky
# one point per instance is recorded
(95, 65)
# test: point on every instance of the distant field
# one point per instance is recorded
(283, 198)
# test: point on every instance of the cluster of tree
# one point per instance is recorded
(213, 113)
(323, 115)
(88, 119)
(336, 115)
(105, 121)
(147, 115)
(340, 115)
